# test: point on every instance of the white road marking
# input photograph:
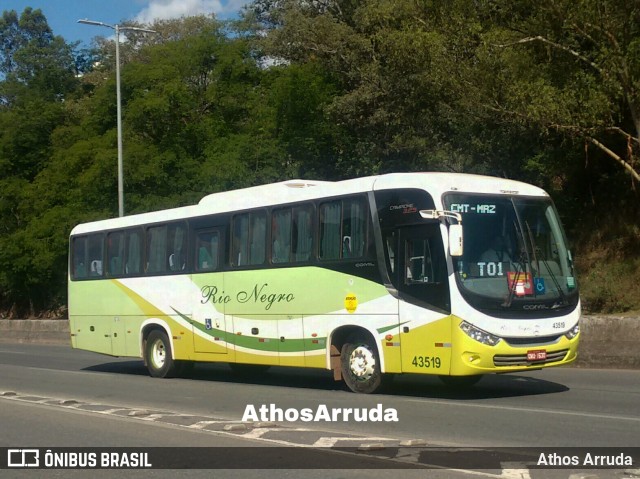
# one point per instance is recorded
(258, 432)
(331, 441)
(528, 409)
(514, 470)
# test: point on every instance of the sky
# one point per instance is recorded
(62, 15)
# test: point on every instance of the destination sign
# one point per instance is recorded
(480, 208)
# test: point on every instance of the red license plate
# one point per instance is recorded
(537, 355)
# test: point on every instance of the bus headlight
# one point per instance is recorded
(479, 335)
(573, 332)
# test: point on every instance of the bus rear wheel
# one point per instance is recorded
(158, 355)
(360, 364)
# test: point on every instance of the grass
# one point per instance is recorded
(608, 267)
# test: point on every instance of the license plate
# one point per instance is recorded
(537, 355)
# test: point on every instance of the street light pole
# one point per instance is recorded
(117, 28)
(119, 114)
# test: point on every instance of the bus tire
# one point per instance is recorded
(360, 364)
(460, 382)
(158, 355)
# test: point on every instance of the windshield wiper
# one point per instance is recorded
(532, 244)
(514, 284)
(563, 298)
(524, 257)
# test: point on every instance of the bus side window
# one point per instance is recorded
(95, 255)
(207, 246)
(281, 236)
(419, 262)
(79, 258)
(354, 228)
(258, 246)
(391, 241)
(133, 256)
(302, 233)
(330, 241)
(240, 240)
(176, 240)
(115, 253)
(343, 229)
(249, 242)
(95, 250)
(157, 259)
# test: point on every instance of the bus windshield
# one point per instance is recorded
(516, 255)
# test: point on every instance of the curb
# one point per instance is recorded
(609, 342)
(605, 341)
(39, 331)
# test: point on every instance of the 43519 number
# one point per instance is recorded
(426, 362)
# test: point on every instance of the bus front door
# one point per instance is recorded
(424, 308)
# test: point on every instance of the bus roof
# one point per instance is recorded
(301, 190)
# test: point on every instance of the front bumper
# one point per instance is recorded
(470, 357)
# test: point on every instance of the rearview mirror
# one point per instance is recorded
(455, 240)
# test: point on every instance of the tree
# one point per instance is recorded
(571, 67)
(418, 77)
(33, 61)
(395, 98)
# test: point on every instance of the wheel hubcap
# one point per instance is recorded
(362, 362)
(158, 354)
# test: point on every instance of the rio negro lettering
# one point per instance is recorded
(258, 295)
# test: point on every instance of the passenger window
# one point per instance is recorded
(240, 249)
(249, 239)
(177, 256)
(79, 255)
(115, 253)
(354, 228)
(281, 236)
(157, 249)
(258, 246)
(343, 229)
(133, 263)
(330, 238)
(95, 255)
(207, 249)
(302, 233)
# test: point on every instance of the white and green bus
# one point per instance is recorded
(366, 277)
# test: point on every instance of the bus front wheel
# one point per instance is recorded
(158, 355)
(360, 364)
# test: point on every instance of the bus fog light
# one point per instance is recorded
(479, 335)
(573, 332)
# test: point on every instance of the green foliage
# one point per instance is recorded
(33, 61)
(545, 92)
(611, 286)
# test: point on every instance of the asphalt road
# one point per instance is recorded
(113, 402)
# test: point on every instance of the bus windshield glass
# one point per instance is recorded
(515, 253)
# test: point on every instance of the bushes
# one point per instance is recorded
(610, 285)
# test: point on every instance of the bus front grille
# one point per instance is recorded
(521, 359)
(537, 341)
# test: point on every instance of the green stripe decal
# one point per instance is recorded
(389, 328)
(268, 344)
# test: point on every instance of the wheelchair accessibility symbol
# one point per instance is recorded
(539, 285)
